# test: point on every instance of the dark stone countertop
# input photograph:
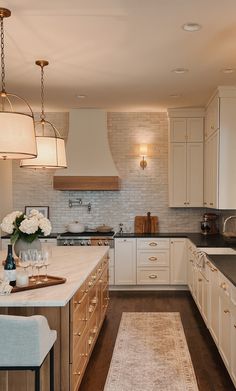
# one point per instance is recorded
(198, 239)
(226, 264)
(51, 236)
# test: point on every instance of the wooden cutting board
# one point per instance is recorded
(141, 224)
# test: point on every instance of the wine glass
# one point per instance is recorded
(32, 254)
(46, 256)
(38, 259)
(24, 259)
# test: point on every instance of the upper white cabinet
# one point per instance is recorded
(186, 158)
(220, 147)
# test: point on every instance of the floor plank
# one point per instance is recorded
(209, 368)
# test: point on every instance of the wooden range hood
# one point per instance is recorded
(90, 163)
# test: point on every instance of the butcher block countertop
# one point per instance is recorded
(74, 263)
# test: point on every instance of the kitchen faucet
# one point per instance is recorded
(226, 220)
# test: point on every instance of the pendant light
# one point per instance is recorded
(50, 144)
(17, 133)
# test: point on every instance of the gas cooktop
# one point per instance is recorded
(87, 233)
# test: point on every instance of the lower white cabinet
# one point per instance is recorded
(153, 264)
(214, 302)
(233, 335)
(178, 261)
(224, 320)
(125, 261)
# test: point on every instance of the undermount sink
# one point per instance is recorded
(218, 250)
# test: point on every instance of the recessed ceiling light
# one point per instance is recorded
(180, 70)
(227, 70)
(191, 27)
(80, 96)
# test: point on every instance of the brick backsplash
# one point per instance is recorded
(141, 190)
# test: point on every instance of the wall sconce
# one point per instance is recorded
(143, 151)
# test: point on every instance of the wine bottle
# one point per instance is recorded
(10, 267)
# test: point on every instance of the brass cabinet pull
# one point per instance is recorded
(152, 258)
(200, 279)
(153, 276)
(77, 373)
(227, 311)
(223, 286)
(77, 334)
(152, 244)
(94, 300)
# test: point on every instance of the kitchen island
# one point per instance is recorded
(76, 309)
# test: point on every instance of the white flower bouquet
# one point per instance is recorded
(28, 228)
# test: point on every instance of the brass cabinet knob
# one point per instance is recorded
(223, 286)
(200, 279)
(227, 311)
(77, 334)
(152, 276)
(152, 244)
(77, 373)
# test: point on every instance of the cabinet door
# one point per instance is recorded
(211, 171)
(194, 130)
(178, 130)
(224, 328)
(177, 175)
(190, 271)
(178, 262)
(125, 261)
(212, 117)
(214, 303)
(195, 174)
(233, 342)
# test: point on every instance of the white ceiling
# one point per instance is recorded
(119, 53)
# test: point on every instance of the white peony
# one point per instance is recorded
(45, 226)
(29, 225)
(36, 213)
(7, 224)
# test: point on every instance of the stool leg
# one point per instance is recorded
(52, 369)
(37, 379)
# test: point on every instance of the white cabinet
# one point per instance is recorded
(178, 261)
(220, 157)
(212, 116)
(211, 171)
(125, 261)
(224, 320)
(233, 335)
(186, 130)
(185, 162)
(153, 261)
(214, 302)
(111, 266)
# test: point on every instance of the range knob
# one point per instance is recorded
(65, 243)
(88, 243)
(106, 243)
(99, 243)
(82, 243)
(71, 243)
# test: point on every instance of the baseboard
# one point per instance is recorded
(148, 288)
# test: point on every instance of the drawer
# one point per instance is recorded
(93, 301)
(79, 362)
(81, 293)
(156, 276)
(80, 318)
(111, 275)
(153, 243)
(151, 258)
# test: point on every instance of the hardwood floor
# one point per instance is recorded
(209, 368)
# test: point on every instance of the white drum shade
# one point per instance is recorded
(17, 136)
(51, 154)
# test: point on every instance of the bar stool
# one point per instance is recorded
(25, 341)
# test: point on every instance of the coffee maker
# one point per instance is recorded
(209, 224)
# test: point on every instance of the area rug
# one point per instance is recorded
(151, 354)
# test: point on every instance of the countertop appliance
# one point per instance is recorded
(86, 239)
(209, 224)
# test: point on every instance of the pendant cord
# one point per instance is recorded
(42, 116)
(2, 57)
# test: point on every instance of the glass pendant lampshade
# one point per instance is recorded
(17, 132)
(50, 144)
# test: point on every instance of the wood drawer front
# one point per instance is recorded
(151, 258)
(156, 276)
(80, 355)
(80, 318)
(152, 244)
(93, 301)
(92, 332)
(111, 275)
(81, 292)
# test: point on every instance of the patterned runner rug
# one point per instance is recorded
(151, 354)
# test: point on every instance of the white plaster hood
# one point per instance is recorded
(88, 154)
